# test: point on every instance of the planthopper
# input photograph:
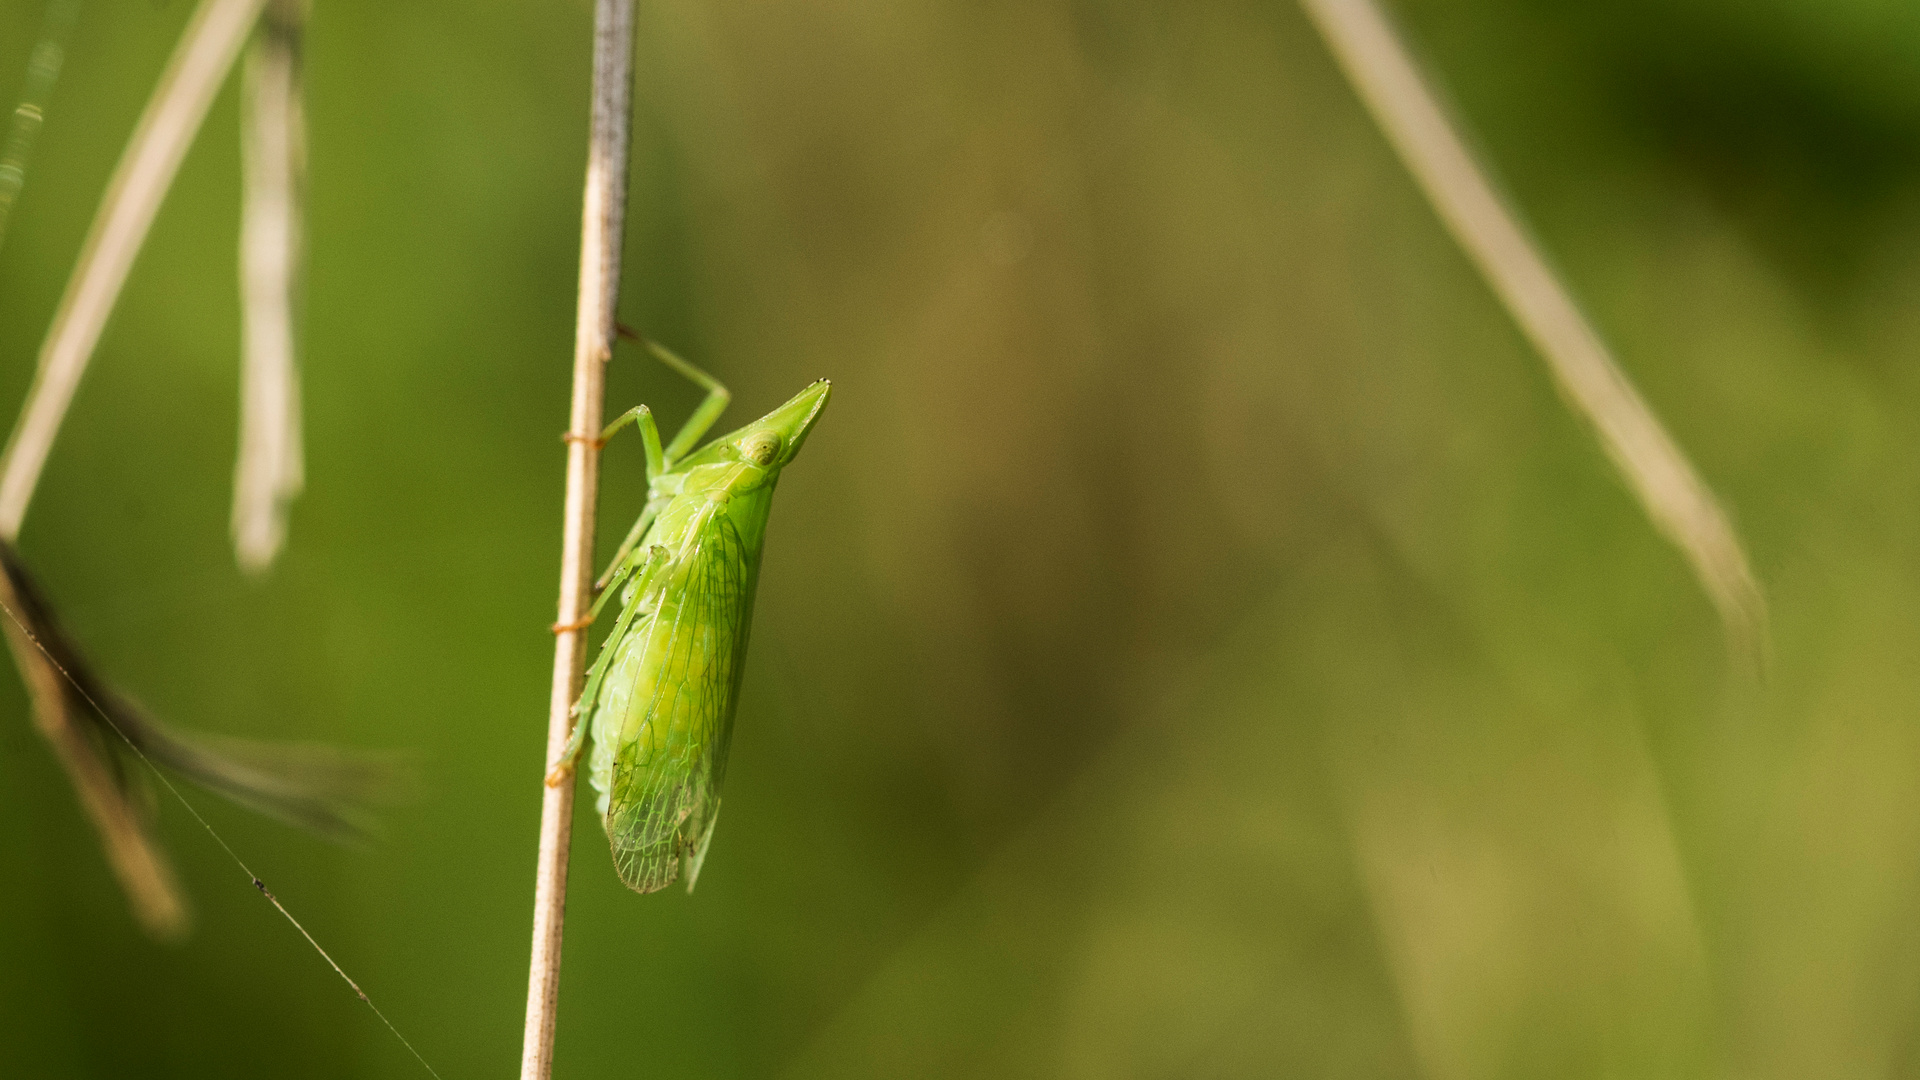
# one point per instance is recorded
(660, 697)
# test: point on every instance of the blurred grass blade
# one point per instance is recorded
(1672, 493)
(134, 855)
(269, 473)
(316, 787)
(256, 775)
(199, 65)
(173, 114)
(43, 69)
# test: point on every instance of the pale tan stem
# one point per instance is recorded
(157, 901)
(1669, 490)
(200, 63)
(603, 221)
(269, 472)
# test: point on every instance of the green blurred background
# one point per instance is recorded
(1197, 641)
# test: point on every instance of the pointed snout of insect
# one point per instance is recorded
(796, 418)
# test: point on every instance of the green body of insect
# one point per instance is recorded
(660, 698)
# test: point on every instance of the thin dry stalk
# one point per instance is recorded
(603, 226)
(269, 472)
(200, 63)
(1670, 491)
(155, 895)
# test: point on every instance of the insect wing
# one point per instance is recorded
(672, 757)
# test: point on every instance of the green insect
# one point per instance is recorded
(660, 698)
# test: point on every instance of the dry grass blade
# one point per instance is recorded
(326, 790)
(1669, 489)
(200, 63)
(269, 473)
(602, 229)
(143, 871)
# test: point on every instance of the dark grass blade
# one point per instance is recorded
(316, 787)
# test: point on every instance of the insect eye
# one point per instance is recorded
(761, 448)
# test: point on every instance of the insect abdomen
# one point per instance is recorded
(665, 711)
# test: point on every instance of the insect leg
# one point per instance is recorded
(656, 557)
(703, 417)
(649, 434)
(642, 417)
(583, 705)
(569, 754)
(618, 567)
(615, 574)
(609, 580)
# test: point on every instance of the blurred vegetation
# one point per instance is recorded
(1197, 641)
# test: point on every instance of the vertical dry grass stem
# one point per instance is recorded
(1672, 493)
(602, 227)
(43, 70)
(200, 63)
(269, 473)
